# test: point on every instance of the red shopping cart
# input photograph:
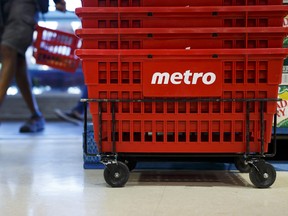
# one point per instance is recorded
(170, 81)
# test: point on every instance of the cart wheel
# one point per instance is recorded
(262, 174)
(116, 175)
(242, 165)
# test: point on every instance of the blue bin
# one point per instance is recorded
(91, 162)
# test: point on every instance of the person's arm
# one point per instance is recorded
(60, 5)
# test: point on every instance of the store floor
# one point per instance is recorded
(43, 175)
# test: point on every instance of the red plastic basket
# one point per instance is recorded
(161, 3)
(182, 17)
(181, 38)
(55, 48)
(217, 126)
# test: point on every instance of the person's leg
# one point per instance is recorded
(24, 84)
(75, 115)
(14, 65)
(7, 73)
(36, 122)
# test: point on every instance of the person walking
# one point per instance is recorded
(17, 23)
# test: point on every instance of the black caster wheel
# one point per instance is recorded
(262, 174)
(242, 165)
(116, 175)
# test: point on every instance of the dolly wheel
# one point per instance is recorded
(242, 165)
(116, 175)
(262, 174)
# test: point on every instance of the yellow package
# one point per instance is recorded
(282, 107)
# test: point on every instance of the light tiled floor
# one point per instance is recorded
(43, 175)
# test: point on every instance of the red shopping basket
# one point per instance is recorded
(55, 48)
(181, 38)
(163, 3)
(178, 118)
(182, 17)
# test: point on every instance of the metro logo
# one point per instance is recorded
(182, 78)
(187, 78)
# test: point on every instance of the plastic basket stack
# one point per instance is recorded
(164, 54)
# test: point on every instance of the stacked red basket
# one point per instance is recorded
(182, 77)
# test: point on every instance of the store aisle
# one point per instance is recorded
(43, 175)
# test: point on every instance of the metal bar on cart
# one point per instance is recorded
(100, 125)
(113, 128)
(262, 126)
(85, 140)
(247, 128)
(274, 138)
(85, 128)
